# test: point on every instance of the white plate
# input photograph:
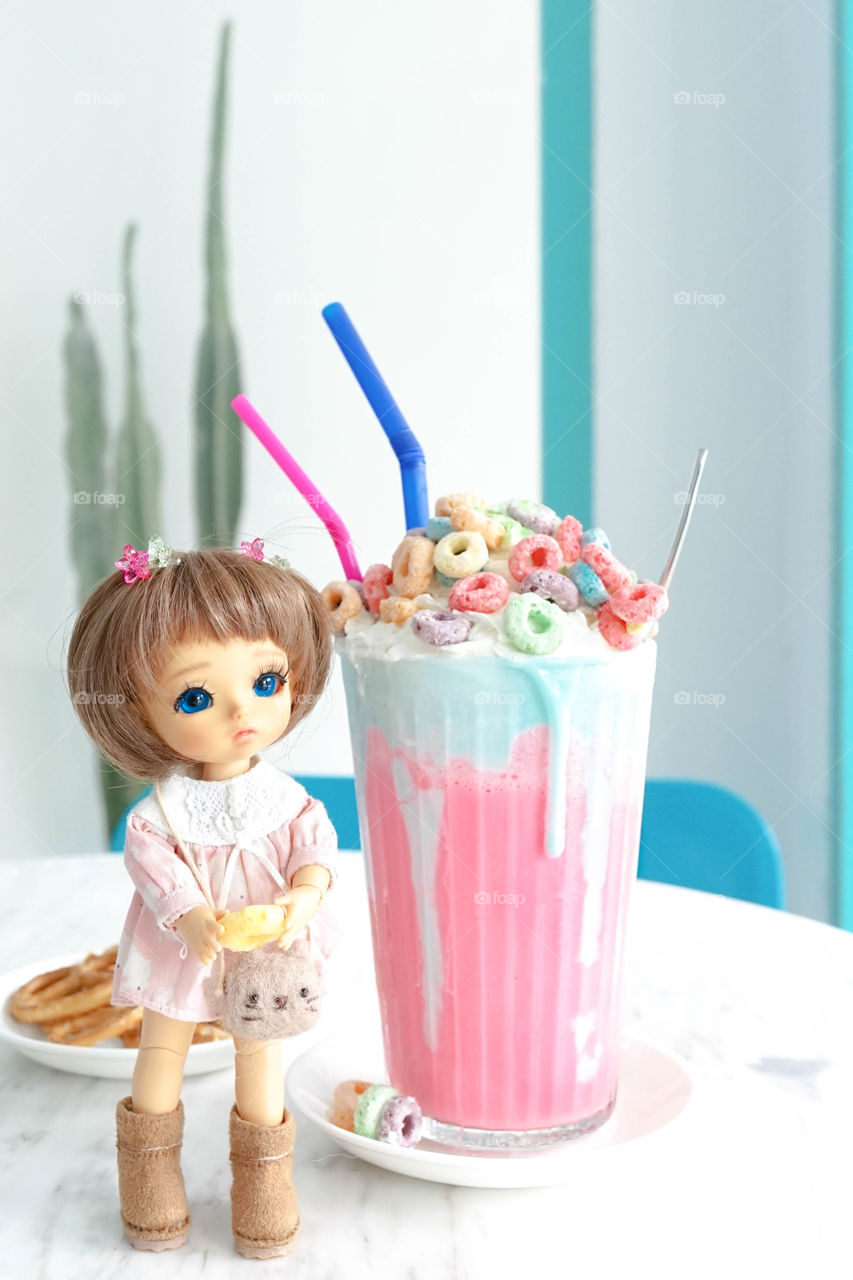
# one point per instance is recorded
(655, 1088)
(109, 1059)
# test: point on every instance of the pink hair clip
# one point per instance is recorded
(255, 548)
(134, 564)
(137, 565)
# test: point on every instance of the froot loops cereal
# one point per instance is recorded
(446, 504)
(568, 534)
(533, 515)
(539, 551)
(460, 553)
(396, 609)
(640, 603)
(481, 593)
(532, 624)
(412, 565)
(514, 571)
(471, 518)
(552, 586)
(440, 627)
(603, 562)
(588, 583)
(377, 584)
(343, 602)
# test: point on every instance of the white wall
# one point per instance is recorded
(382, 154)
(387, 155)
(733, 199)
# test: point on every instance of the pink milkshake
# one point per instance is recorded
(500, 780)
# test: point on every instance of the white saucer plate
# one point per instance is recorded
(654, 1092)
(109, 1059)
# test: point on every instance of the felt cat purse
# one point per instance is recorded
(271, 994)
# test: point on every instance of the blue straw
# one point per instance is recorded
(409, 453)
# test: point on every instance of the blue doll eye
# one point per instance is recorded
(268, 683)
(192, 700)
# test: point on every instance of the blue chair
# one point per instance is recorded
(694, 834)
(337, 794)
(701, 836)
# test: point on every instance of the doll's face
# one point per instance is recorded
(220, 703)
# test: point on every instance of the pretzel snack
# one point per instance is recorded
(72, 1006)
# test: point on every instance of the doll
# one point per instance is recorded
(182, 668)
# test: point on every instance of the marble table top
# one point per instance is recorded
(757, 1002)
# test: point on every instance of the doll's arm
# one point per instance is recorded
(201, 931)
(309, 870)
(163, 879)
(303, 900)
(313, 848)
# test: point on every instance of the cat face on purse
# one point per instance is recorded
(272, 994)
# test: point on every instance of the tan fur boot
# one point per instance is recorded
(154, 1210)
(264, 1212)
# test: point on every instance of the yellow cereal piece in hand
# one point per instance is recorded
(251, 927)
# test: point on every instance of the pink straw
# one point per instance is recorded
(312, 495)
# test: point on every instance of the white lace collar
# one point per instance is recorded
(233, 811)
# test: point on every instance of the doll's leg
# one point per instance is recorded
(264, 1210)
(150, 1127)
(159, 1069)
(259, 1083)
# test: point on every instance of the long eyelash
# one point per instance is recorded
(274, 671)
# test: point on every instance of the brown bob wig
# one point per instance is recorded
(125, 633)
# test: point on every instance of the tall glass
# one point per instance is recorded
(499, 805)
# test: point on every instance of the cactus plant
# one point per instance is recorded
(219, 440)
(138, 462)
(99, 529)
(92, 522)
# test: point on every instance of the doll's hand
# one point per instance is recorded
(301, 902)
(200, 930)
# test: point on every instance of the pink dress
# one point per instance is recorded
(248, 836)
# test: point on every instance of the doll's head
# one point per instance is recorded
(127, 634)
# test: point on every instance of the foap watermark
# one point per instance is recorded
(307, 699)
(696, 98)
(702, 499)
(94, 98)
(497, 698)
(89, 498)
(698, 699)
(486, 899)
(697, 298)
(298, 298)
(88, 698)
(285, 498)
(85, 299)
(299, 98)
